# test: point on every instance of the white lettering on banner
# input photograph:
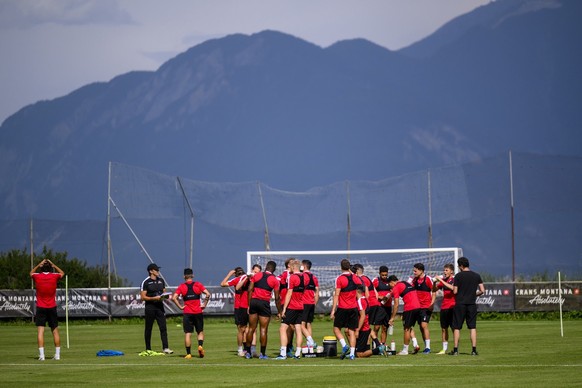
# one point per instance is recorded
(555, 291)
(324, 293)
(219, 304)
(126, 297)
(7, 306)
(489, 301)
(526, 292)
(328, 302)
(546, 300)
(20, 298)
(135, 305)
(80, 306)
(495, 292)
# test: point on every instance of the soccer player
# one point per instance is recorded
(46, 305)
(263, 285)
(241, 304)
(380, 315)
(374, 307)
(152, 289)
(283, 279)
(344, 310)
(426, 295)
(191, 292)
(310, 299)
(467, 287)
(406, 292)
(445, 283)
(292, 311)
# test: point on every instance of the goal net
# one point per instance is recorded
(326, 264)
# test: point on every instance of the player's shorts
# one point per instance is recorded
(446, 317)
(292, 317)
(308, 313)
(346, 318)
(241, 316)
(377, 316)
(44, 315)
(424, 316)
(193, 321)
(409, 318)
(260, 307)
(362, 341)
(464, 312)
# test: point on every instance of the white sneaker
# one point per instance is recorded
(242, 353)
(168, 351)
(57, 357)
(41, 358)
(403, 353)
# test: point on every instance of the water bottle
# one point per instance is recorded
(390, 329)
(392, 346)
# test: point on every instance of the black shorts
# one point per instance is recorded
(292, 317)
(424, 316)
(409, 318)
(377, 316)
(308, 313)
(261, 307)
(362, 341)
(241, 316)
(462, 313)
(44, 315)
(193, 321)
(346, 318)
(447, 318)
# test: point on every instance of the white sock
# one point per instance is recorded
(240, 348)
(297, 352)
(445, 346)
(427, 343)
(310, 341)
(343, 342)
(41, 352)
(283, 351)
(405, 348)
(253, 349)
(58, 351)
(414, 342)
(352, 351)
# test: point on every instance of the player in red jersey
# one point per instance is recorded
(374, 308)
(344, 310)
(292, 310)
(241, 304)
(283, 279)
(310, 299)
(380, 315)
(263, 285)
(46, 305)
(445, 283)
(424, 289)
(191, 292)
(411, 312)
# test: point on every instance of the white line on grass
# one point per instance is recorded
(296, 365)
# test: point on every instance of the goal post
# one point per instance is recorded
(326, 264)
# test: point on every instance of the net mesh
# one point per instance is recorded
(326, 266)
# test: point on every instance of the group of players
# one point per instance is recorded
(363, 310)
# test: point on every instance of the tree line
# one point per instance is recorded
(15, 270)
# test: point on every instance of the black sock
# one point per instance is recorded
(188, 349)
(200, 342)
(263, 350)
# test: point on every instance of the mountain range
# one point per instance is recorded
(273, 108)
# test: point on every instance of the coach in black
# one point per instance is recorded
(467, 286)
(152, 290)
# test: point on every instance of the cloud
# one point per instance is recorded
(31, 13)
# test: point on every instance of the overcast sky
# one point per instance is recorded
(52, 47)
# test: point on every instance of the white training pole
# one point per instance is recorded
(67, 307)
(560, 302)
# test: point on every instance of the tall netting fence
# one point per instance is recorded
(179, 222)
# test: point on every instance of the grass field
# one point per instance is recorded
(512, 353)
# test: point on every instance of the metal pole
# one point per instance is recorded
(560, 302)
(267, 239)
(512, 218)
(191, 219)
(349, 220)
(109, 242)
(429, 211)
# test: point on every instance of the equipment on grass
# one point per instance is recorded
(326, 264)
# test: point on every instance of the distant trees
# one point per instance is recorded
(15, 269)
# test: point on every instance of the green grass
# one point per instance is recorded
(512, 353)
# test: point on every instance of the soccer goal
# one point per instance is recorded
(326, 264)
